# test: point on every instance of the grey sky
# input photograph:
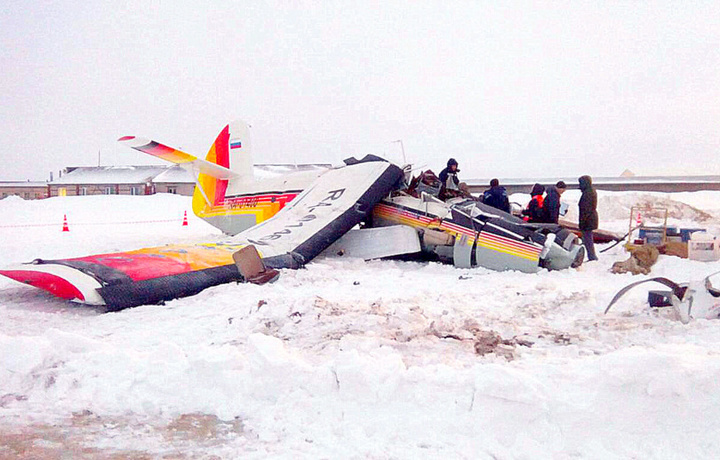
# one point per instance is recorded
(517, 89)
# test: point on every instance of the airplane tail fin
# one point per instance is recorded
(231, 150)
(229, 156)
(227, 168)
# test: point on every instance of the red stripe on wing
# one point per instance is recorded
(53, 284)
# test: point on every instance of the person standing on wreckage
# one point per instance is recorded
(450, 185)
(449, 182)
(589, 219)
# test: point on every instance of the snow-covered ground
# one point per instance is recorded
(350, 359)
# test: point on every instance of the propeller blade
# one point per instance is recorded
(678, 291)
(715, 292)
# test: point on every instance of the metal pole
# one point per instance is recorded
(402, 148)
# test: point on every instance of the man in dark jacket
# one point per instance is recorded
(449, 182)
(533, 212)
(496, 196)
(551, 206)
(588, 215)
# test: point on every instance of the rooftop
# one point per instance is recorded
(20, 183)
(109, 175)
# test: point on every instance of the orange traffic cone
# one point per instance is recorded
(185, 222)
(65, 225)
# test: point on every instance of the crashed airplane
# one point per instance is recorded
(295, 217)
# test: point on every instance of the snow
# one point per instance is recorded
(348, 358)
(98, 224)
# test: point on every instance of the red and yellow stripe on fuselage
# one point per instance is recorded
(263, 206)
(210, 200)
(486, 240)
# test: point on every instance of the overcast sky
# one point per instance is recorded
(509, 89)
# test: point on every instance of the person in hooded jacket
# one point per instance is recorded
(589, 219)
(496, 196)
(450, 186)
(449, 181)
(533, 211)
(551, 204)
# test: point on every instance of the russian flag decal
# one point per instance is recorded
(235, 144)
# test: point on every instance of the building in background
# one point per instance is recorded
(145, 180)
(174, 180)
(24, 189)
(122, 180)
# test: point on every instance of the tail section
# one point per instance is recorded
(227, 195)
(231, 214)
(240, 149)
(231, 150)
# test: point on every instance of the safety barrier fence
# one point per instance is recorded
(83, 224)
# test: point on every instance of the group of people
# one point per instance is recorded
(546, 210)
(542, 209)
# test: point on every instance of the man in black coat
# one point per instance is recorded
(449, 181)
(496, 196)
(551, 205)
(588, 215)
(448, 176)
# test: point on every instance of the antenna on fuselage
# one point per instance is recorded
(402, 148)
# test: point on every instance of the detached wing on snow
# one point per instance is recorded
(337, 201)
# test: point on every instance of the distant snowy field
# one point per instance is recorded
(351, 359)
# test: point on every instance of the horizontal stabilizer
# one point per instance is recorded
(177, 156)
